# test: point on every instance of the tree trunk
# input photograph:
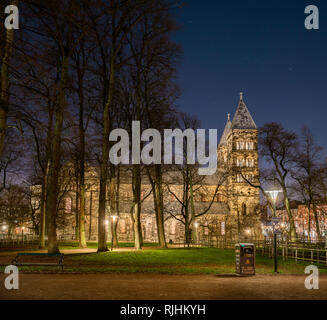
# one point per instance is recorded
(52, 193)
(43, 208)
(137, 207)
(116, 197)
(82, 239)
(159, 207)
(90, 222)
(194, 231)
(290, 216)
(102, 236)
(43, 213)
(188, 231)
(76, 207)
(309, 221)
(81, 224)
(4, 96)
(113, 204)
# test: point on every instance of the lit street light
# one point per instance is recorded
(23, 234)
(273, 195)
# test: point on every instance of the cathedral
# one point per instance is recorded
(233, 211)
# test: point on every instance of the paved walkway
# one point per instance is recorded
(161, 287)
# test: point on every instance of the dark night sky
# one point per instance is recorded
(261, 48)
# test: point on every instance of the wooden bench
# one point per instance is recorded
(39, 259)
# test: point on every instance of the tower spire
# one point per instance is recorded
(242, 118)
(228, 117)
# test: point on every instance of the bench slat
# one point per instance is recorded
(58, 256)
(40, 254)
(36, 264)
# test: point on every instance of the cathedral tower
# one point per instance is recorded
(238, 152)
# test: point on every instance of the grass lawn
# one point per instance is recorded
(170, 261)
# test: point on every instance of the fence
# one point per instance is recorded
(297, 252)
(18, 240)
(314, 252)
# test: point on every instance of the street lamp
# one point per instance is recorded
(273, 195)
(114, 218)
(23, 234)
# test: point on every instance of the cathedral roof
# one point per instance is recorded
(243, 118)
(228, 126)
(174, 206)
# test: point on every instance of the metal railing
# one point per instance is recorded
(18, 240)
(314, 252)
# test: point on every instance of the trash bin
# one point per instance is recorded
(245, 259)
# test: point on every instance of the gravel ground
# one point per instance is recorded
(161, 287)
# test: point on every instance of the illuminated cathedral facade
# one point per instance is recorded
(234, 212)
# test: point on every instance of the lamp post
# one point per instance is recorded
(23, 234)
(273, 195)
(113, 218)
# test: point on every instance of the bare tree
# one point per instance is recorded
(307, 174)
(278, 147)
(6, 48)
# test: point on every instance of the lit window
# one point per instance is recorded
(250, 163)
(240, 162)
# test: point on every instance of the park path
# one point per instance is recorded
(161, 287)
